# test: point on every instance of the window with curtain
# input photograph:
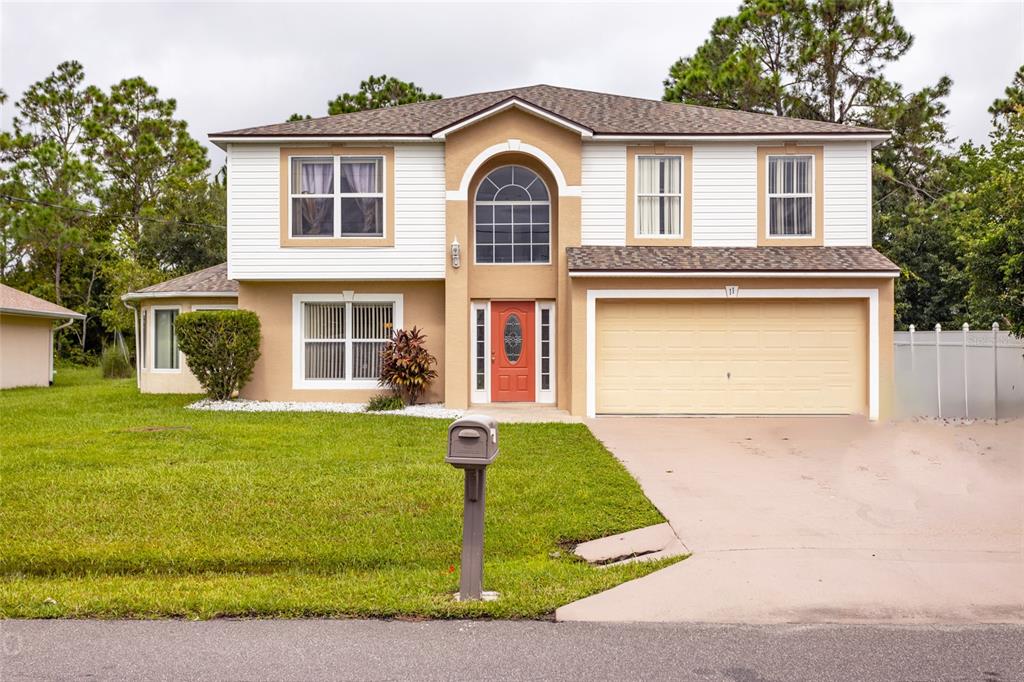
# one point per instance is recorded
(313, 197)
(659, 196)
(165, 343)
(344, 340)
(790, 196)
(512, 217)
(334, 196)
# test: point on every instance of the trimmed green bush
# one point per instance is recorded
(114, 364)
(383, 402)
(406, 365)
(221, 346)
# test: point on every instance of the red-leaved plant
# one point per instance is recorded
(406, 365)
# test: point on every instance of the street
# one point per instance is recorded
(482, 650)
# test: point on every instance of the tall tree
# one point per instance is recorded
(1013, 103)
(379, 92)
(53, 244)
(146, 156)
(816, 60)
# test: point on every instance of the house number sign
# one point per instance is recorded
(732, 291)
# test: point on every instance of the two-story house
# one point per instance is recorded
(605, 254)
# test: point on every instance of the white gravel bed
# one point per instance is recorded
(434, 411)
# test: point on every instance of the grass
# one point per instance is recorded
(116, 504)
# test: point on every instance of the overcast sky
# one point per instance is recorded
(236, 65)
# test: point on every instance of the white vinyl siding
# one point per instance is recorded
(603, 204)
(254, 222)
(724, 195)
(847, 194)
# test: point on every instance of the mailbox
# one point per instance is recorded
(472, 441)
(472, 446)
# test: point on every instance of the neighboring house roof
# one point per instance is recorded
(15, 302)
(798, 259)
(211, 282)
(596, 112)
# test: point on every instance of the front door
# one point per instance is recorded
(512, 342)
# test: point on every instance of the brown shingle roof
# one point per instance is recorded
(728, 259)
(18, 302)
(213, 280)
(600, 112)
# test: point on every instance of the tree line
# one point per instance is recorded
(104, 191)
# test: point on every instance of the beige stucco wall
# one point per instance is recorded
(25, 351)
(180, 380)
(580, 286)
(519, 282)
(423, 307)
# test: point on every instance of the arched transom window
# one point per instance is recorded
(513, 217)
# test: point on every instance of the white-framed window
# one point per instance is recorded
(166, 357)
(512, 218)
(144, 337)
(336, 196)
(546, 370)
(659, 196)
(790, 195)
(337, 338)
(480, 333)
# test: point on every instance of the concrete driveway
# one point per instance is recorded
(825, 520)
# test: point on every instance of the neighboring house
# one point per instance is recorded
(27, 324)
(606, 254)
(160, 366)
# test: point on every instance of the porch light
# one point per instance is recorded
(456, 253)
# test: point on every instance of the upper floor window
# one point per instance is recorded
(337, 196)
(513, 217)
(659, 196)
(790, 196)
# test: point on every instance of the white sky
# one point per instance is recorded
(236, 65)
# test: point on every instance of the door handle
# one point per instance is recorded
(492, 357)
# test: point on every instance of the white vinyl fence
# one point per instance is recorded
(976, 374)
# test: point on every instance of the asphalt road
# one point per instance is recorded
(485, 650)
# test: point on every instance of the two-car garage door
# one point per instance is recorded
(806, 356)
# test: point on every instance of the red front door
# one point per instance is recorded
(512, 370)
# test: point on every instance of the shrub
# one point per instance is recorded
(221, 347)
(383, 402)
(406, 365)
(114, 364)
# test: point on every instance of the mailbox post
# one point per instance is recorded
(472, 446)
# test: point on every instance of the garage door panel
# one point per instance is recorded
(732, 357)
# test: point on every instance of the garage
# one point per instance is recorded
(744, 356)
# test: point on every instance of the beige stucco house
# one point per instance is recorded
(27, 324)
(605, 254)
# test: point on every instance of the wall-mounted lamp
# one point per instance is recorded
(456, 253)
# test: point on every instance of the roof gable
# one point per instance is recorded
(596, 112)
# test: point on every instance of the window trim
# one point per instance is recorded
(337, 195)
(337, 152)
(637, 195)
(549, 203)
(299, 380)
(803, 195)
(632, 236)
(546, 396)
(479, 396)
(816, 238)
(152, 343)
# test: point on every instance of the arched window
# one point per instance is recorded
(513, 217)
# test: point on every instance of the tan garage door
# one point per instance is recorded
(731, 357)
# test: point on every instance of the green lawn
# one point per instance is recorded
(114, 503)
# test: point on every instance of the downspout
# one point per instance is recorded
(135, 316)
(53, 371)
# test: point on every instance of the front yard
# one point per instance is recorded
(119, 504)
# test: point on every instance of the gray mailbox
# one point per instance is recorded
(472, 445)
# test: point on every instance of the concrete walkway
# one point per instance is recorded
(826, 520)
